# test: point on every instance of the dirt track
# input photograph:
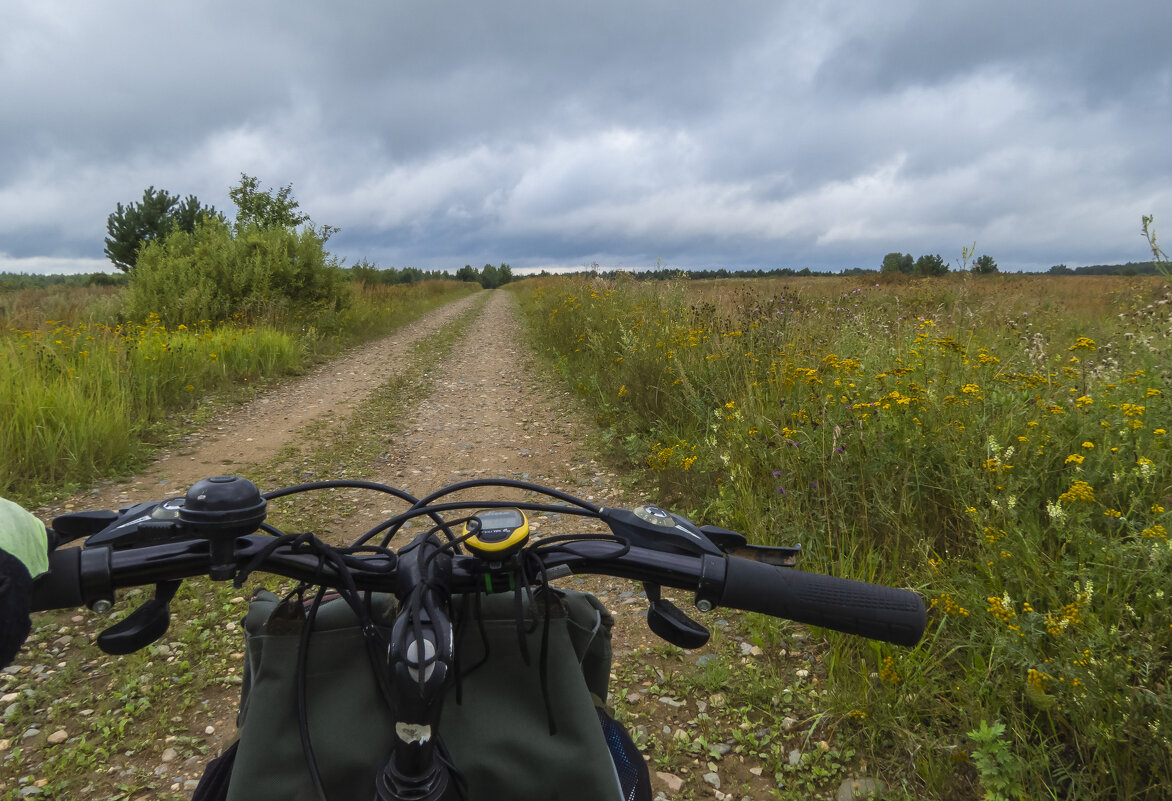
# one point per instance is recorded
(489, 411)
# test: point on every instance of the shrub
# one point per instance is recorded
(213, 274)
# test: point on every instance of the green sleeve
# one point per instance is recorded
(23, 536)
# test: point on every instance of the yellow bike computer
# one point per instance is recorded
(496, 533)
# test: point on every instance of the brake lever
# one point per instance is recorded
(77, 525)
(142, 626)
(670, 623)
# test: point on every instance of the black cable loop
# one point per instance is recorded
(263, 555)
(392, 525)
(549, 492)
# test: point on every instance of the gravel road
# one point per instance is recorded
(490, 411)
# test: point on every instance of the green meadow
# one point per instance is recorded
(999, 444)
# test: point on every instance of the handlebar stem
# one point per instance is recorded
(421, 661)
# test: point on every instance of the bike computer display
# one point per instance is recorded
(496, 533)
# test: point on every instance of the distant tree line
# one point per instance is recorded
(664, 274)
(1131, 268)
(370, 274)
(15, 281)
(489, 277)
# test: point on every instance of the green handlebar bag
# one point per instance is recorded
(498, 737)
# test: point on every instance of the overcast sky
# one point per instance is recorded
(538, 133)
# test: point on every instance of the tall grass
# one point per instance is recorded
(1000, 445)
(78, 398)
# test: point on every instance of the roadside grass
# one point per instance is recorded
(82, 399)
(119, 714)
(998, 444)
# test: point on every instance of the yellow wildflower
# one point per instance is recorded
(1079, 491)
(1037, 679)
(948, 606)
(1001, 608)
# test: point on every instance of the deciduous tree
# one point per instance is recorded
(897, 263)
(263, 208)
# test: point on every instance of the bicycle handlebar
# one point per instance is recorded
(854, 607)
(82, 576)
(211, 532)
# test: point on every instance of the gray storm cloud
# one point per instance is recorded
(749, 134)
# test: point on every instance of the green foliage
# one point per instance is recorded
(984, 265)
(213, 274)
(897, 263)
(262, 208)
(902, 263)
(156, 215)
(371, 274)
(930, 265)
(996, 764)
(490, 277)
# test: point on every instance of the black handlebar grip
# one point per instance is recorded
(61, 586)
(854, 607)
